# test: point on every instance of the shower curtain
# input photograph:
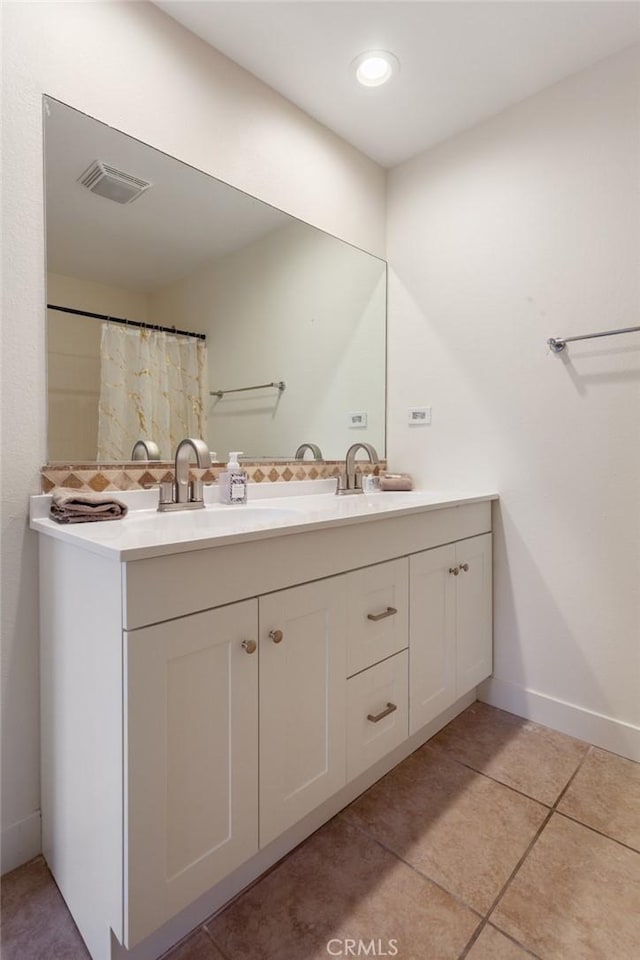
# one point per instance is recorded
(152, 387)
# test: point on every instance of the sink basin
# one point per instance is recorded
(211, 519)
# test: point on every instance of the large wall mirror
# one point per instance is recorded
(221, 293)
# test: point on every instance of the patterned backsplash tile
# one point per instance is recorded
(138, 474)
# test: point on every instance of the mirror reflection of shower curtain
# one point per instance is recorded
(152, 387)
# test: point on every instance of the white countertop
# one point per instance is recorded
(145, 532)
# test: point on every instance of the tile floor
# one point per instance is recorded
(498, 840)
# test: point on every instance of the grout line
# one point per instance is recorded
(168, 953)
(222, 952)
(423, 876)
(513, 940)
(481, 773)
(262, 876)
(473, 939)
(522, 859)
(595, 830)
(571, 779)
(505, 885)
(620, 756)
(550, 806)
(550, 810)
(538, 833)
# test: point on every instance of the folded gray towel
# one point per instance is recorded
(396, 481)
(72, 506)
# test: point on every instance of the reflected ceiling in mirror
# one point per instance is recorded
(270, 300)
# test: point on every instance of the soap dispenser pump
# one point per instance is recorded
(233, 482)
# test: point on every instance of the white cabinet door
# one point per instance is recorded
(302, 701)
(474, 653)
(191, 738)
(378, 615)
(377, 712)
(450, 645)
(432, 593)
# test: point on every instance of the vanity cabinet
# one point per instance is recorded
(451, 625)
(205, 709)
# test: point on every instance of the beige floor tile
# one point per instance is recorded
(606, 795)
(36, 924)
(461, 829)
(527, 756)
(576, 897)
(340, 884)
(493, 945)
(199, 946)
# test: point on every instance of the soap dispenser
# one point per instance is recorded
(233, 482)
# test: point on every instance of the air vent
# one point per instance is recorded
(113, 184)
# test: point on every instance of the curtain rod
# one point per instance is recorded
(128, 323)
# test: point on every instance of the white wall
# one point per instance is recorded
(73, 361)
(527, 227)
(311, 315)
(130, 66)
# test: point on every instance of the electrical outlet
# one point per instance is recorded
(418, 416)
(357, 419)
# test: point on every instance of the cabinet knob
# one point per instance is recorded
(276, 635)
(249, 645)
(454, 570)
(464, 566)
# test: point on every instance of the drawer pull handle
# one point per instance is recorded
(391, 707)
(464, 566)
(389, 612)
(454, 570)
(249, 645)
(276, 636)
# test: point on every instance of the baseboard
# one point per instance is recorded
(20, 842)
(614, 735)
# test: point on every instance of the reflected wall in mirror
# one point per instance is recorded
(266, 297)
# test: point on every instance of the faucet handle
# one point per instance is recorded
(166, 490)
(196, 491)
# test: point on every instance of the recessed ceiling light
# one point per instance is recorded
(375, 67)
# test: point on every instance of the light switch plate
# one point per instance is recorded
(418, 416)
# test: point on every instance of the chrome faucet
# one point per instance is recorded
(351, 481)
(316, 452)
(145, 450)
(185, 494)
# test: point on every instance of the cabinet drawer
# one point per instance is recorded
(369, 694)
(378, 623)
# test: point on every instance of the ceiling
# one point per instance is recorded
(460, 61)
(186, 219)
